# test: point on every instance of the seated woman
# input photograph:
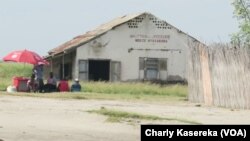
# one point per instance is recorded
(63, 86)
(51, 84)
(32, 84)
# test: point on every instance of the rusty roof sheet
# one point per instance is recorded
(84, 38)
(81, 39)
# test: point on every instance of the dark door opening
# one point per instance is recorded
(67, 71)
(99, 70)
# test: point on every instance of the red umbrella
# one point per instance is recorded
(25, 56)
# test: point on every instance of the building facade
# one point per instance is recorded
(138, 47)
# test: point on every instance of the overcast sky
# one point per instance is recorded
(40, 25)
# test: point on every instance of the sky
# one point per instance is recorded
(41, 25)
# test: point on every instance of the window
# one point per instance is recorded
(152, 68)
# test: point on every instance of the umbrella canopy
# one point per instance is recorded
(24, 56)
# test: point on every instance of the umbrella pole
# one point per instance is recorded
(51, 65)
(63, 66)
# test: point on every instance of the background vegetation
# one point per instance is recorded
(242, 13)
(97, 90)
(135, 88)
(10, 70)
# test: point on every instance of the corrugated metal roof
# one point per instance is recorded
(81, 39)
(102, 29)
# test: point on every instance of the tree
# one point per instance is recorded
(242, 13)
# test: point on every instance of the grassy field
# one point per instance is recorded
(97, 90)
(173, 93)
(9, 70)
(135, 88)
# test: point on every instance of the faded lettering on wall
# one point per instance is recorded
(142, 38)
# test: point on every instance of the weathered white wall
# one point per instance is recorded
(119, 40)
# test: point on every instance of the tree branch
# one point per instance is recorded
(245, 9)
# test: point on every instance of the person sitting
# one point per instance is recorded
(76, 87)
(32, 84)
(51, 83)
(63, 86)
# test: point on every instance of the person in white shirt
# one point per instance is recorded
(51, 83)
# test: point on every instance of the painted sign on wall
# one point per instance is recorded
(142, 38)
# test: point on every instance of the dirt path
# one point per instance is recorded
(39, 119)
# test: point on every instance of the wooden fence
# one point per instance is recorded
(219, 75)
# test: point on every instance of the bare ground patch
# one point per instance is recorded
(29, 118)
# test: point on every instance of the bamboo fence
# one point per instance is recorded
(219, 75)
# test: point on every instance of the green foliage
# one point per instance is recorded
(10, 70)
(242, 13)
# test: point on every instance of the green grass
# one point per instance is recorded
(118, 116)
(135, 88)
(48, 95)
(102, 96)
(98, 90)
(9, 70)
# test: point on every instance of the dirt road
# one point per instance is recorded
(39, 119)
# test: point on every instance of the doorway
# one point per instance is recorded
(99, 70)
(66, 71)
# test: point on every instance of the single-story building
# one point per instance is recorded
(134, 47)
